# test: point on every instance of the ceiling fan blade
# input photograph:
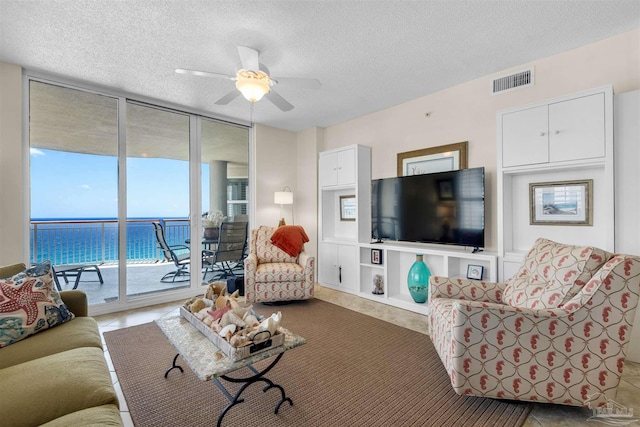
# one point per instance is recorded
(203, 73)
(299, 82)
(228, 98)
(278, 101)
(249, 58)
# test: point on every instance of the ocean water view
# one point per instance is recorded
(95, 240)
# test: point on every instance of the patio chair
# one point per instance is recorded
(74, 270)
(230, 251)
(175, 254)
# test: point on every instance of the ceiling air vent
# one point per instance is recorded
(512, 81)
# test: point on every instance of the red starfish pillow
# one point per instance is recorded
(29, 304)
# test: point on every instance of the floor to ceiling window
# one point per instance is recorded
(73, 137)
(75, 165)
(157, 199)
(225, 170)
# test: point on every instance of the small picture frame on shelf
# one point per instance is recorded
(376, 256)
(474, 272)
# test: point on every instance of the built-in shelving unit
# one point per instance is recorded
(398, 257)
(342, 172)
(344, 255)
(562, 139)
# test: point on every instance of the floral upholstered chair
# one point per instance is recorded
(555, 332)
(271, 274)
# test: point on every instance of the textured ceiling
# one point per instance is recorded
(368, 55)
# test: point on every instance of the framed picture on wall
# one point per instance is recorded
(348, 208)
(444, 158)
(561, 203)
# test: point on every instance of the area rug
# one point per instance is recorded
(354, 370)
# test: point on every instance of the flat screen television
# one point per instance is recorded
(444, 207)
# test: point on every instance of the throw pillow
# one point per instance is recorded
(552, 273)
(29, 303)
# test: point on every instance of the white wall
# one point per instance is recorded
(288, 159)
(626, 132)
(12, 201)
(276, 157)
(467, 112)
(627, 150)
(306, 203)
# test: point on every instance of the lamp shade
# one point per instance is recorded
(283, 198)
(253, 85)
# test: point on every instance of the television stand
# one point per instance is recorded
(476, 250)
(396, 259)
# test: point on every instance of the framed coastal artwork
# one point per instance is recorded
(444, 158)
(561, 203)
(348, 208)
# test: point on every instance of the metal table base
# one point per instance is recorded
(247, 381)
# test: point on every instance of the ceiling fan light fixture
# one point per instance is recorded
(253, 84)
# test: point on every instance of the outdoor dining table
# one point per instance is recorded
(206, 243)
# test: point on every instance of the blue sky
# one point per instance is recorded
(72, 185)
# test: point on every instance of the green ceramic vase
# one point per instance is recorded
(418, 280)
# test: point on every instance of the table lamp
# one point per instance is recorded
(283, 198)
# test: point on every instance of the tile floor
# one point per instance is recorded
(543, 415)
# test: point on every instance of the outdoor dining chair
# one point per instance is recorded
(229, 252)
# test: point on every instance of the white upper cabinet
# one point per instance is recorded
(338, 168)
(564, 139)
(525, 137)
(567, 130)
(576, 129)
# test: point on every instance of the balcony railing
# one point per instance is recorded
(96, 241)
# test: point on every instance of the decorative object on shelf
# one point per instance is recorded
(348, 208)
(444, 158)
(281, 198)
(474, 272)
(561, 203)
(418, 280)
(378, 284)
(211, 223)
(376, 256)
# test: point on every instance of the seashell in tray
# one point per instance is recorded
(271, 324)
(239, 341)
(231, 318)
(228, 331)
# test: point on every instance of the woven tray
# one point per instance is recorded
(232, 353)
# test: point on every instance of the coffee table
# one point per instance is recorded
(209, 363)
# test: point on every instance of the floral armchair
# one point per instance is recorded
(272, 275)
(555, 332)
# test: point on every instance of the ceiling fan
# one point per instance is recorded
(253, 81)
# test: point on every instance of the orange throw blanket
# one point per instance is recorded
(290, 238)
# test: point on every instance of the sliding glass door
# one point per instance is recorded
(73, 137)
(158, 202)
(118, 188)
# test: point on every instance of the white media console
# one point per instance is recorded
(345, 249)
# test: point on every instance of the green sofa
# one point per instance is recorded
(58, 377)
